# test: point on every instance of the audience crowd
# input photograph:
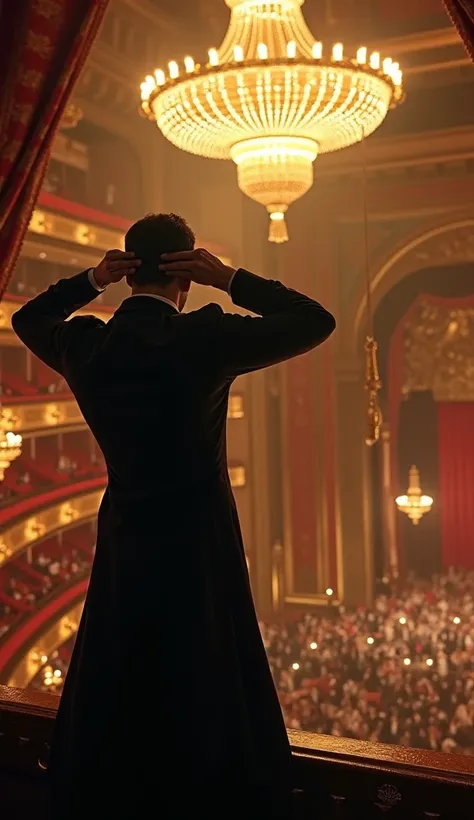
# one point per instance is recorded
(400, 671)
(20, 595)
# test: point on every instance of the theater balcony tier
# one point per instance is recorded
(333, 777)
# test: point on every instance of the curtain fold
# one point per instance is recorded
(461, 13)
(43, 46)
(456, 482)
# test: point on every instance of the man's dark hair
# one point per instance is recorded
(152, 236)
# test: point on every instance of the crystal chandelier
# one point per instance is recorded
(10, 449)
(272, 99)
(414, 504)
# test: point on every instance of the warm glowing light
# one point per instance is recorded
(402, 621)
(189, 64)
(370, 641)
(271, 102)
(44, 658)
(160, 76)
(387, 65)
(407, 661)
(295, 666)
(429, 661)
(397, 77)
(414, 504)
(374, 61)
(329, 592)
(57, 673)
(213, 56)
(10, 449)
(313, 645)
(173, 69)
(456, 620)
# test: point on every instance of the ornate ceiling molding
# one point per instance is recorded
(404, 151)
(450, 242)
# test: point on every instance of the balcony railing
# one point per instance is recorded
(334, 778)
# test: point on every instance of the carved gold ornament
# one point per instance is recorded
(439, 352)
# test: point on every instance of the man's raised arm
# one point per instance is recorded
(41, 323)
(288, 323)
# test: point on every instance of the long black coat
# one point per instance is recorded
(169, 709)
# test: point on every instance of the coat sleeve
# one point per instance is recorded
(41, 323)
(288, 324)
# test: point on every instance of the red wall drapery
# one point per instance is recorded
(461, 13)
(43, 46)
(456, 482)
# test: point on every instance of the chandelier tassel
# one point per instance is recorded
(373, 384)
(278, 231)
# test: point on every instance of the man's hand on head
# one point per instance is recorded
(199, 266)
(114, 266)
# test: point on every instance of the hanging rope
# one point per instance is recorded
(372, 377)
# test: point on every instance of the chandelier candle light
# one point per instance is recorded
(414, 504)
(272, 99)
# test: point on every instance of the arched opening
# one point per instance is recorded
(417, 436)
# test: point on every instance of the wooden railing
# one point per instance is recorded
(334, 778)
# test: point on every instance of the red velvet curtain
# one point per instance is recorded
(461, 13)
(43, 46)
(456, 482)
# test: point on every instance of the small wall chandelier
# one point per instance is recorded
(10, 445)
(72, 116)
(414, 504)
(272, 99)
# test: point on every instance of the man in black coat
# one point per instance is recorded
(168, 709)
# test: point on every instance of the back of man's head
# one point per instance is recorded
(151, 237)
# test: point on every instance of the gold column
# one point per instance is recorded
(278, 591)
(389, 524)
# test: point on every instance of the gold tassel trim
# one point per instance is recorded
(278, 231)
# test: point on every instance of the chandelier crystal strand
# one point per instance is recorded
(271, 98)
